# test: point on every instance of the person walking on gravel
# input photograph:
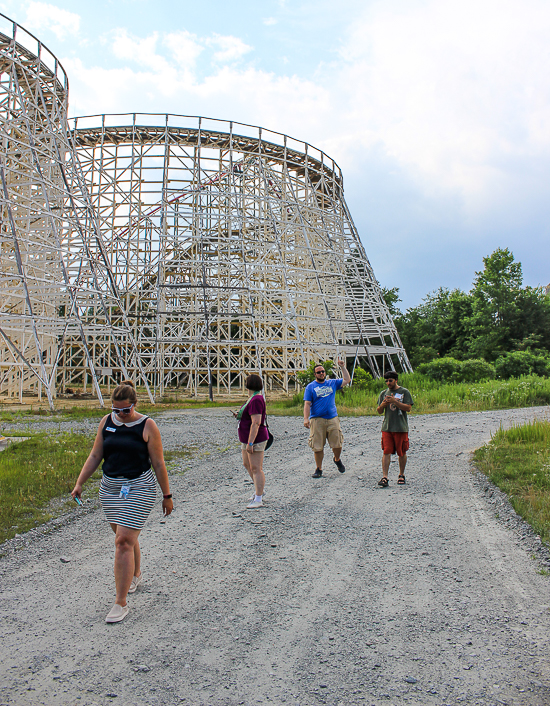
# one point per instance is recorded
(394, 403)
(253, 435)
(321, 416)
(128, 443)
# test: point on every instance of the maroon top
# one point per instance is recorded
(256, 405)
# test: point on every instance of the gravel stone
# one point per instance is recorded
(218, 610)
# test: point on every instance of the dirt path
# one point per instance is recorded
(336, 592)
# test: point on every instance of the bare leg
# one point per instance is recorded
(402, 464)
(137, 559)
(319, 455)
(254, 465)
(386, 460)
(256, 461)
(337, 453)
(137, 553)
(246, 463)
(125, 541)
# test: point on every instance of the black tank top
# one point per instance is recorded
(124, 450)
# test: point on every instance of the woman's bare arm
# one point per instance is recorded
(151, 436)
(92, 462)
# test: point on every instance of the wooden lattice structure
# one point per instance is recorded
(179, 251)
(232, 249)
(60, 316)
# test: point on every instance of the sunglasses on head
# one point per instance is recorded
(122, 410)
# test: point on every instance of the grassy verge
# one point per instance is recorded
(432, 397)
(518, 462)
(44, 467)
(33, 472)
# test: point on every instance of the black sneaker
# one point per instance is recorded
(340, 466)
(318, 473)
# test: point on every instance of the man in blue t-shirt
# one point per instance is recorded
(321, 416)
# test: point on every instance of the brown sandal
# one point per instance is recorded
(401, 480)
(383, 482)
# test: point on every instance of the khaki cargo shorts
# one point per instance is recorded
(322, 429)
(260, 446)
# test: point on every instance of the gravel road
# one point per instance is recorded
(335, 592)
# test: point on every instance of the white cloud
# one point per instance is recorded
(453, 94)
(451, 90)
(185, 47)
(230, 48)
(268, 21)
(42, 16)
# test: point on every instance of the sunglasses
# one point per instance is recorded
(122, 410)
(320, 372)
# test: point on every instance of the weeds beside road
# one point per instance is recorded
(517, 460)
(40, 469)
(34, 471)
(433, 397)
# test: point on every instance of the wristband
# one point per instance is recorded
(251, 443)
(167, 497)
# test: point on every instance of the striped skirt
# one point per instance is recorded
(131, 511)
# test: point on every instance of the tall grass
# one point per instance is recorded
(33, 472)
(517, 460)
(431, 396)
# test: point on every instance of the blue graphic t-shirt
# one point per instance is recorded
(321, 395)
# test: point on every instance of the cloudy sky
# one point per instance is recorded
(437, 111)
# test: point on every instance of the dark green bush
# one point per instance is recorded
(453, 370)
(361, 379)
(518, 363)
(441, 369)
(476, 370)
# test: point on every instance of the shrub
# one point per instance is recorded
(518, 363)
(308, 375)
(476, 370)
(452, 370)
(441, 369)
(361, 379)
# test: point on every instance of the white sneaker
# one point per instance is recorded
(135, 583)
(251, 498)
(117, 613)
(254, 505)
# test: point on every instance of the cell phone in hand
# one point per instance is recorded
(78, 501)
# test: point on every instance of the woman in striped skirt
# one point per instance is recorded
(128, 443)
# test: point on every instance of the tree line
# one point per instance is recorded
(499, 323)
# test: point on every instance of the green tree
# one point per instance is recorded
(391, 297)
(497, 316)
(495, 311)
(532, 327)
(437, 326)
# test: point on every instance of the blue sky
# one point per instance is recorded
(437, 111)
